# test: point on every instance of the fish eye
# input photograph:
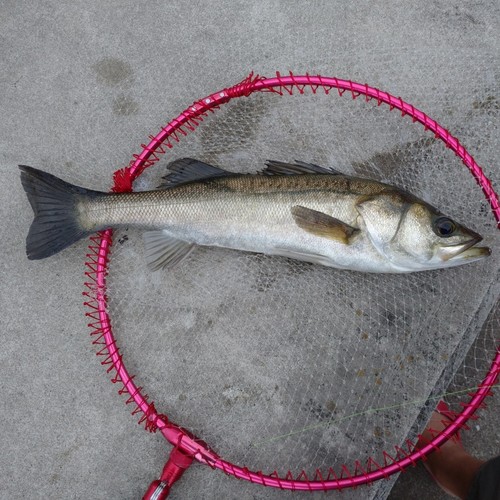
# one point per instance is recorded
(444, 227)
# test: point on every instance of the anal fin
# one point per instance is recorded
(165, 251)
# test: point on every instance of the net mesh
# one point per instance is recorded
(288, 366)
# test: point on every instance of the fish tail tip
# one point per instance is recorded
(56, 223)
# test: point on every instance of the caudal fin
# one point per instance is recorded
(56, 225)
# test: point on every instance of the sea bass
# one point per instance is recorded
(299, 210)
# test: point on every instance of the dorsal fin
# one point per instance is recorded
(297, 168)
(187, 170)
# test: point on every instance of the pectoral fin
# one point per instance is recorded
(162, 250)
(323, 225)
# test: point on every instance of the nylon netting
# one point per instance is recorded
(288, 366)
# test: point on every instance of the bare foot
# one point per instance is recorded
(451, 466)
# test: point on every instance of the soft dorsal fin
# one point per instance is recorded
(187, 170)
(297, 168)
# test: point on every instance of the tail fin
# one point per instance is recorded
(56, 225)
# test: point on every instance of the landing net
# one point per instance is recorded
(296, 375)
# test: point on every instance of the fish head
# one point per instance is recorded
(414, 236)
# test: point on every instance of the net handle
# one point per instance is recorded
(98, 257)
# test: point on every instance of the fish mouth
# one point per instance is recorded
(467, 250)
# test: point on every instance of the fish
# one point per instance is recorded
(297, 210)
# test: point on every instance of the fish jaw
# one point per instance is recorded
(467, 251)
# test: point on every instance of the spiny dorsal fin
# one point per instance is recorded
(187, 170)
(321, 224)
(297, 168)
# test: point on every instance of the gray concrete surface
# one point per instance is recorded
(82, 84)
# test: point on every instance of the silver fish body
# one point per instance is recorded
(299, 211)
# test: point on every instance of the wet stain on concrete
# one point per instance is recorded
(111, 71)
(233, 128)
(389, 163)
(320, 411)
(490, 103)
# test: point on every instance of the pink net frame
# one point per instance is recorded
(100, 322)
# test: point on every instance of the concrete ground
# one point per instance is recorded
(82, 84)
